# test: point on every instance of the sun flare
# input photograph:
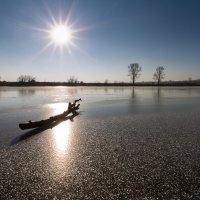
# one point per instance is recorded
(61, 35)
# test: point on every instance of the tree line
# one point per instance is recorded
(134, 70)
(26, 79)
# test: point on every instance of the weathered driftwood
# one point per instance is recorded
(72, 107)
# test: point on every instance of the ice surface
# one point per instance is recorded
(119, 147)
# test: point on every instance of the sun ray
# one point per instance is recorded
(53, 20)
(38, 54)
(59, 32)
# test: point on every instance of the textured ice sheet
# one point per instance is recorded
(144, 156)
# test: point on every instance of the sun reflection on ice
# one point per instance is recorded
(58, 108)
(61, 134)
(61, 143)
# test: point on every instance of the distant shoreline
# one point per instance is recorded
(41, 84)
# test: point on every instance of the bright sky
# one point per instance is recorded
(105, 37)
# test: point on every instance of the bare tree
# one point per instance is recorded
(30, 78)
(159, 75)
(106, 82)
(134, 71)
(26, 78)
(72, 80)
(21, 78)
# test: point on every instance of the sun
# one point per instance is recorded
(61, 35)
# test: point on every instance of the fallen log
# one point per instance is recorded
(72, 107)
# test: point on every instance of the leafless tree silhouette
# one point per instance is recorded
(72, 80)
(134, 71)
(159, 75)
(26, 78)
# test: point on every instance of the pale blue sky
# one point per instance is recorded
(114, 33)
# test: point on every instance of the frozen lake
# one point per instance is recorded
(127, 143)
